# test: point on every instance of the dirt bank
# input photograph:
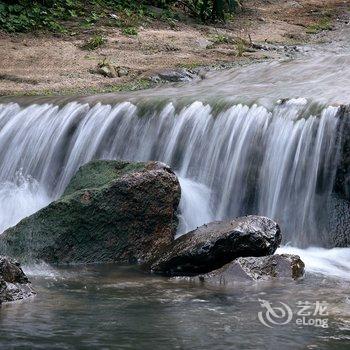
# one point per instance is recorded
(48, 64)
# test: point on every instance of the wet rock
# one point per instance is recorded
(284, 266)
(10, 271)
(339, 203)
(112, 211)
(14, 284)
(181, 75)
(338, 227)
(155, 79)
(213, 245)
(342, 181)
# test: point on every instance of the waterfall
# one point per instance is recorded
(231, 161)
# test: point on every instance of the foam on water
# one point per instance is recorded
(19, 199)
(195, 207)
(328, 262)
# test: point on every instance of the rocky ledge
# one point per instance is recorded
(14, 284)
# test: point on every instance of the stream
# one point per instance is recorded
(260, 139)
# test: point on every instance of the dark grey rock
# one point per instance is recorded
(213, 245)
(284, 266)
(342, 181)
(14, 284)
(181, 75)
(338, 221)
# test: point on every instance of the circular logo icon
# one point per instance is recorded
(274, 316)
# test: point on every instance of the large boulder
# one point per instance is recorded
(213, 245)
(14, 284)
(112, 211)
(284, 266)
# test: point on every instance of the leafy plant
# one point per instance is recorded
(57, 15)
(25, 15)
(214, 10)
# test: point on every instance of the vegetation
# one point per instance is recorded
(221, 39)
(94, 42)
(322, 24)
(211, 10)
(129, 31)
(59, 15)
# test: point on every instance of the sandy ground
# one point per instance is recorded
(47, 64)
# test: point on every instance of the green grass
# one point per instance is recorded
(131, 31)
(190, 65)
(323, 24)
(94, 42)
(221, 39)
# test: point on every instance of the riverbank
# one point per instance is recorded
(48, 64)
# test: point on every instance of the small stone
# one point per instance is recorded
(122, 72)
(107, 70)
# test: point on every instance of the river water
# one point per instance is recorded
(238, 147)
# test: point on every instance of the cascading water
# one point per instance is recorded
(231, 161)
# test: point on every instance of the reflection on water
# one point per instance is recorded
(119, 307)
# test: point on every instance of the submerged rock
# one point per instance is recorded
(112, 211)
(14, 284)
(213, 245)
(256, 268)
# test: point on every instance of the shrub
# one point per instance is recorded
(27, 15)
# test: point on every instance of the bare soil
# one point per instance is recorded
(48, 64)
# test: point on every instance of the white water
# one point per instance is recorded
(328, 262)
(19, 199)
(240, 160)
(194, 206)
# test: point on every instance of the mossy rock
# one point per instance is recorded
(112, 211)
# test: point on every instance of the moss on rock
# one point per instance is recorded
(111, 211)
